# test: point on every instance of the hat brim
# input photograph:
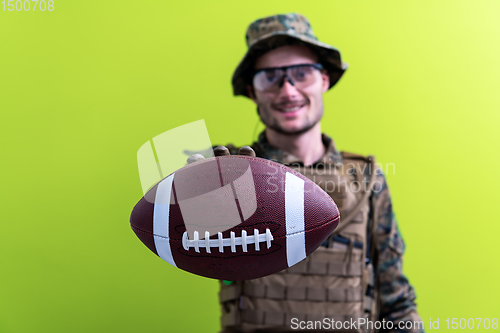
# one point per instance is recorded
(329, 57)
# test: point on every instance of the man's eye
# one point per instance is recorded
(302, 72)
(271, 76)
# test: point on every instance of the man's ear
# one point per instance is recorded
(326, 80)
(251, 93)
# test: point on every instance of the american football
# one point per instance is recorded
(234, 217)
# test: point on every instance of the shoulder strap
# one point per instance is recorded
(372, 231)
(372, 254)
(371, 160)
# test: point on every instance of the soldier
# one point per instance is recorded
(356, 276)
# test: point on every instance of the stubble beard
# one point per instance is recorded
(272, 123)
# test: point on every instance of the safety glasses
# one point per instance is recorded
(272, 79)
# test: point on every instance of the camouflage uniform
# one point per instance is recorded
(396, 295)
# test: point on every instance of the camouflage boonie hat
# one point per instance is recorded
(272, 32)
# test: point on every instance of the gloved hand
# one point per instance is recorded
(222, 151)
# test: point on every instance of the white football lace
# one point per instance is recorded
(232, 241)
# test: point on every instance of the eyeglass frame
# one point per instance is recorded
(317, 66)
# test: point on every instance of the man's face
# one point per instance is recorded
(290, 110)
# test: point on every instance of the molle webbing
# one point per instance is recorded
(280, 319)
(327, 268)
(332, 281)
(279, 292)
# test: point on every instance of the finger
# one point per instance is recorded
(195, 157)
(247, 151)
(221, 151)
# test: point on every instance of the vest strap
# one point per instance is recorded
(231, 318)
(357, 207)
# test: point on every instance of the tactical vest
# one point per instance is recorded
(336, 281)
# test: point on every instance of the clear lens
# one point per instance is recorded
(302, 73)
(272, 75)
(268, 78)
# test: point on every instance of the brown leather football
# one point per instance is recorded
(234, 217)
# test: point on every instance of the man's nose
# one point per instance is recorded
(287, 87)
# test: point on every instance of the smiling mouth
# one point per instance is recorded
(289, 108)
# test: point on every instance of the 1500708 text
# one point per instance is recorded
(27, 5)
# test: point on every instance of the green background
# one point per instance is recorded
(84, 86)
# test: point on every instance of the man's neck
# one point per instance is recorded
(308, 146)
